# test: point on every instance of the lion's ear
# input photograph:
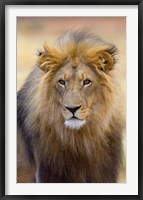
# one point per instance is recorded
(50, 59)
(43, 61)
(43, 58)
(104, 61)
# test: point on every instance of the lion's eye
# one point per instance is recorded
(86, 82)
(61, 82)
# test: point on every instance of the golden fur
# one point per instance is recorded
(88, 152)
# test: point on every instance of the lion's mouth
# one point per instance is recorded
(74, 117)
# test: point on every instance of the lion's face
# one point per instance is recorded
(78, 83)
(75, 88)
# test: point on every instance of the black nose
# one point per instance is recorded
(73, 109)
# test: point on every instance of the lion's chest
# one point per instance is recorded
(67, 164)
(81, 160)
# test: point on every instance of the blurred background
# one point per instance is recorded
(33, 32)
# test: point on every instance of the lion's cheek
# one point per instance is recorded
(83, 115)
(67, 115)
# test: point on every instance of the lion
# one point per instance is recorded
(70, 111)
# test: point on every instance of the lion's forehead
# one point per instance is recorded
(80, 72)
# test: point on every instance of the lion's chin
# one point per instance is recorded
(74, 123)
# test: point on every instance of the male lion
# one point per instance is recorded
(70, 112)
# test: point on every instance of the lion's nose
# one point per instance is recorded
(73, 109)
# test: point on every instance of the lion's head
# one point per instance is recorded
(77, 87)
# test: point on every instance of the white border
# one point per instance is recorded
(129, 188)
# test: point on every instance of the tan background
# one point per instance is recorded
(33, 32)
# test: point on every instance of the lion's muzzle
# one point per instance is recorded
(72, 116)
